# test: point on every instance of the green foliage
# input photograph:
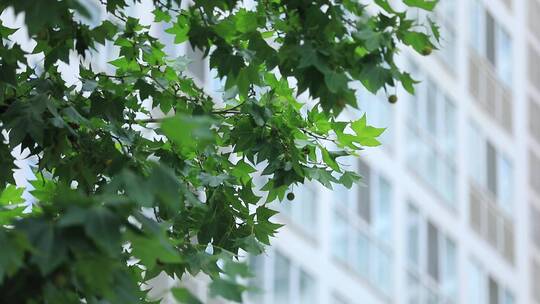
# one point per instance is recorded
(123, 193)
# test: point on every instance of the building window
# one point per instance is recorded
(535, 280)
(362, 231)
(279, 280)
(282, 279)
(534, 172)
(431, 125)
(485, 289)
(476, 24)
(307, 293)
(302, 210)
(491, 193)
(503, 56)
(256, 283)
(534, 216)
(432, 262)
(476, 285)
(533, 8)
(340, 239)
(490, 65)
(490, 169)
(491, 41)
(534, 113)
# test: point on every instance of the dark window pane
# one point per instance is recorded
(534, 171)
(535, 226)
(431, 111)
(433, 252)
(536, 280)
(364, 197)
(493, 292)
(491, 159)
(490, 38)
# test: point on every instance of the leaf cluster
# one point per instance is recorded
(141, 170)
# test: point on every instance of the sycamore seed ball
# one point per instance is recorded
(392, 98)
(427, 51)
(290, 196)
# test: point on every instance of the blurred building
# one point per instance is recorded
(451, 208)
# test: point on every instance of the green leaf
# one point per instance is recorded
(407, 82)
(11, 195)
(245, 21)
(141, 169)
(235, 269)
(49, 246)
(44, 189)
(322, 176)
(5, 31)
(212, 181)
(226, 29)
(188, 132)
(25, 118)
(179, 29)
(372, 39)
(103, 227)
(349, 178)
(336, 82)
(329, 160)
(417, 40)
(153, 249)
(125, 65)
(250, 244)
(11, 260)
(166, 187)
(428, 5)
(226, 289)
(145, 89)
(8, 73)
(9, 214)
(264, 229)
(7, 163)
(384, 4)
(160, 15)
(247, 195)
(435, 29)
(366, 135)
(242, 171)
(360, 51)
(375, 77)
(184, 296)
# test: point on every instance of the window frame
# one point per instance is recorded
(503, 294)
(439, 146)
(479, 170)
(484, 25)
(268, 279)
(420, 270)
(357, 233)
(296, 210)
